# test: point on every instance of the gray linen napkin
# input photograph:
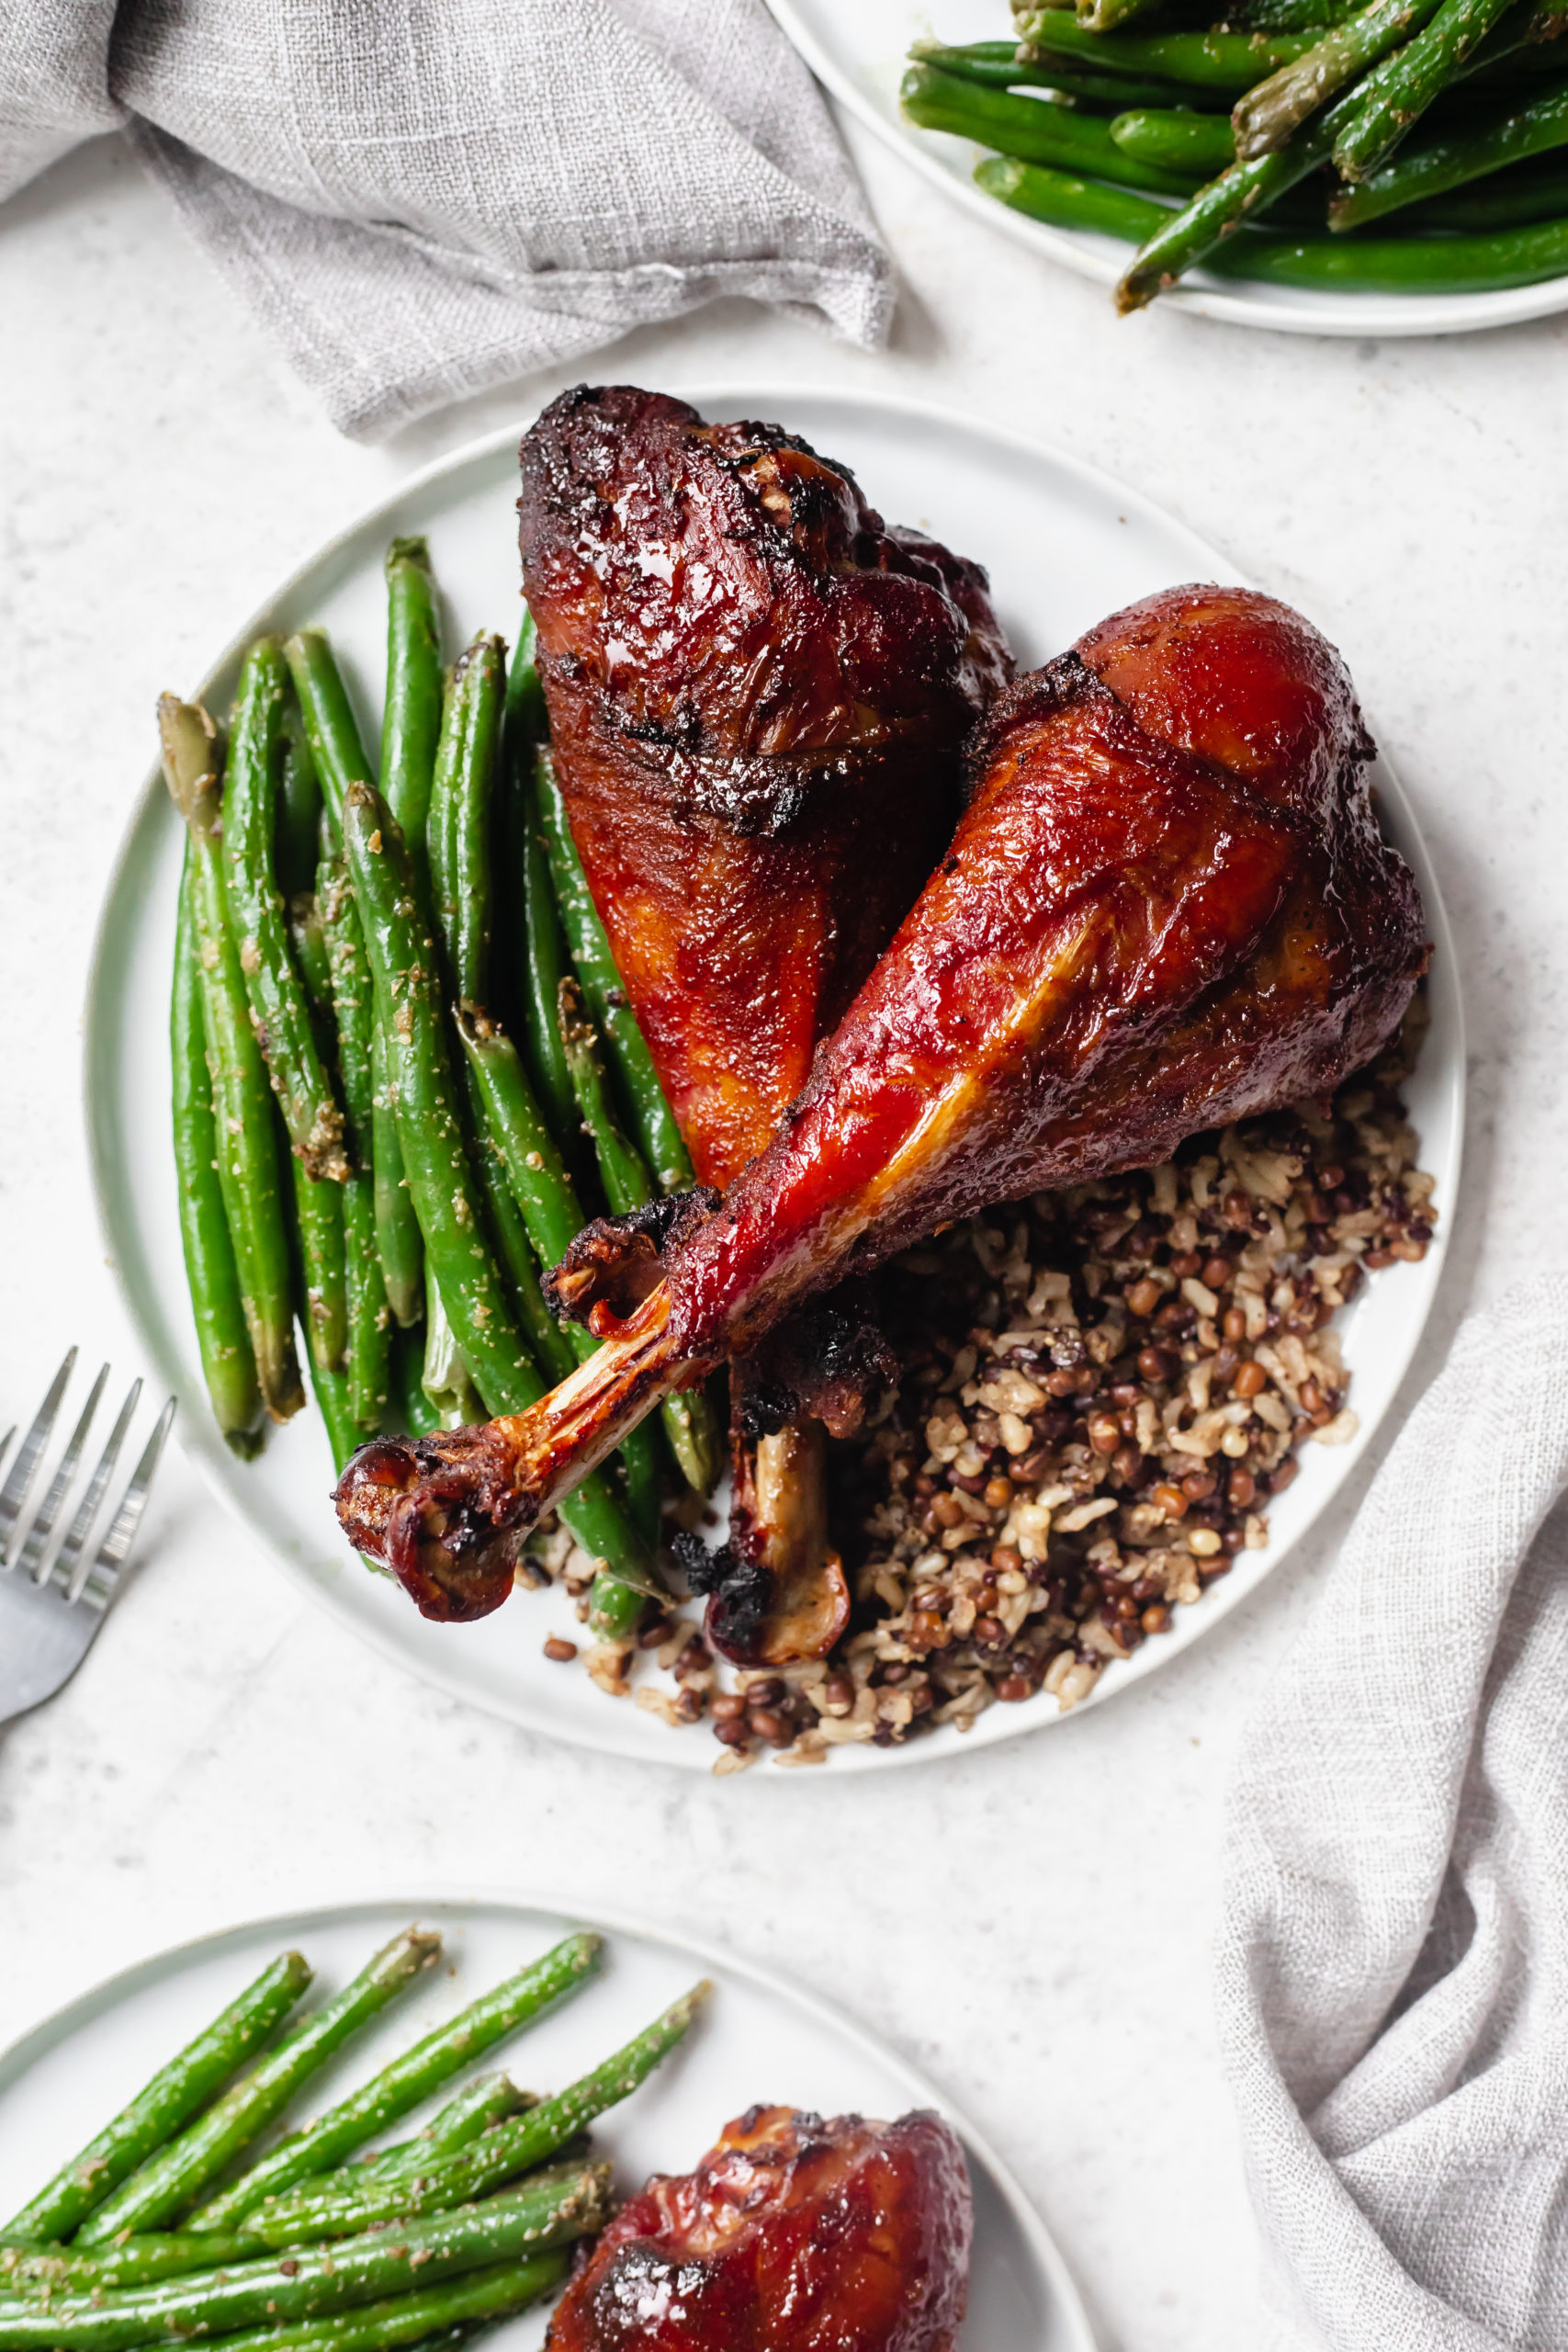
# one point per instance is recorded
(1392, 1962)
(424, 197)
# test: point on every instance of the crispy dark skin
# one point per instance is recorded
(793, 2235)
(758, 697)
(1166, 906)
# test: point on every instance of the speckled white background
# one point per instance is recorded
(1032, 1924)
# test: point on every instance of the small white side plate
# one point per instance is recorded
(860, 53)
(758, 2041)
(1065, 546)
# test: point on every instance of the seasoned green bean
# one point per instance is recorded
(412, 726)
(173, 2176)
(369, 1316)
(241, 1094)
(318, 2279)
(500, 2155)
(174, 2094)
(228, 1365)
(409, 2078)
(653, 1123)
(341, 762)
(439, 1176)
(279, 1009)
(439, 2319)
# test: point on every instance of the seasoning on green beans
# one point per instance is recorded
(173, 2176)
(409, 2078)
(174, 2094)
(248, 1165)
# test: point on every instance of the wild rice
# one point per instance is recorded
(1102, 1390)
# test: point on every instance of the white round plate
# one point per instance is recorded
(1065, 546)
(860, 53)
(758, 2041)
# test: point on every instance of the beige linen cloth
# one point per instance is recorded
(1393, 1963)
(424, 197)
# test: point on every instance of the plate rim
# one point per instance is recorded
(1509, 306)
(200, 1448)
(49, 2031)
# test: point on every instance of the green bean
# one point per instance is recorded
(1067, 202)
(228, 1365)
(653, 1123)
(536, 1173)
(341, 762)
(162, 2105)
(459, 829)
(1508, 136)
(460, 813)
(279, 1008)
(1179, 241)
(489, 2098)
(241, 1094)
(1223, 63)
(323, 1281)
(622, 1168)
(544, 956)
(1268, 114)
(1510, 200)
(409, 2078)
(1476, 263)
(298, 803)
(398, 1237)
(135, 2259)
(1026, 129)
(995, 64)
(308, 941)
(1105, 16)
(369, 1316)
(1193, 146)
(498, 2155)
(439, 2319)
(1388, 104)
(318, 2279)
(172, 2177)
(1459, 265)
(411, 727)
(411, 1408)
(440, 1180)
(445, 1379)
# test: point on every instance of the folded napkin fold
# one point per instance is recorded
(1393, 1963)
(424, 197)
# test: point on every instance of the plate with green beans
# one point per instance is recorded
(218, 2140)
(1368, 167)
(294, 874)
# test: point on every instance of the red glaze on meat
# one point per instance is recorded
(759, 697)
(1167, 905)
(791, 2235)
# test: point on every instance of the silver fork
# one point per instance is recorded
(52, 1599)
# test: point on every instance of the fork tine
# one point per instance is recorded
(81, 1528)
(109, 1560)
(29, 1560)
(14, 1493)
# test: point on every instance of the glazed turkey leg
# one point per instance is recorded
(759, 699)
(1166, 906)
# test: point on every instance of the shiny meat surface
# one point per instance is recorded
(793, 2235)
(1166, 905)
(759, 697)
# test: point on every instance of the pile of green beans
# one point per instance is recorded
(1298, 124)
(379, 1133)
(294, 2256)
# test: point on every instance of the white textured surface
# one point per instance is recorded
(1032, 1925)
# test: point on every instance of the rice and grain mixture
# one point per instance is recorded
(1101, 1391)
